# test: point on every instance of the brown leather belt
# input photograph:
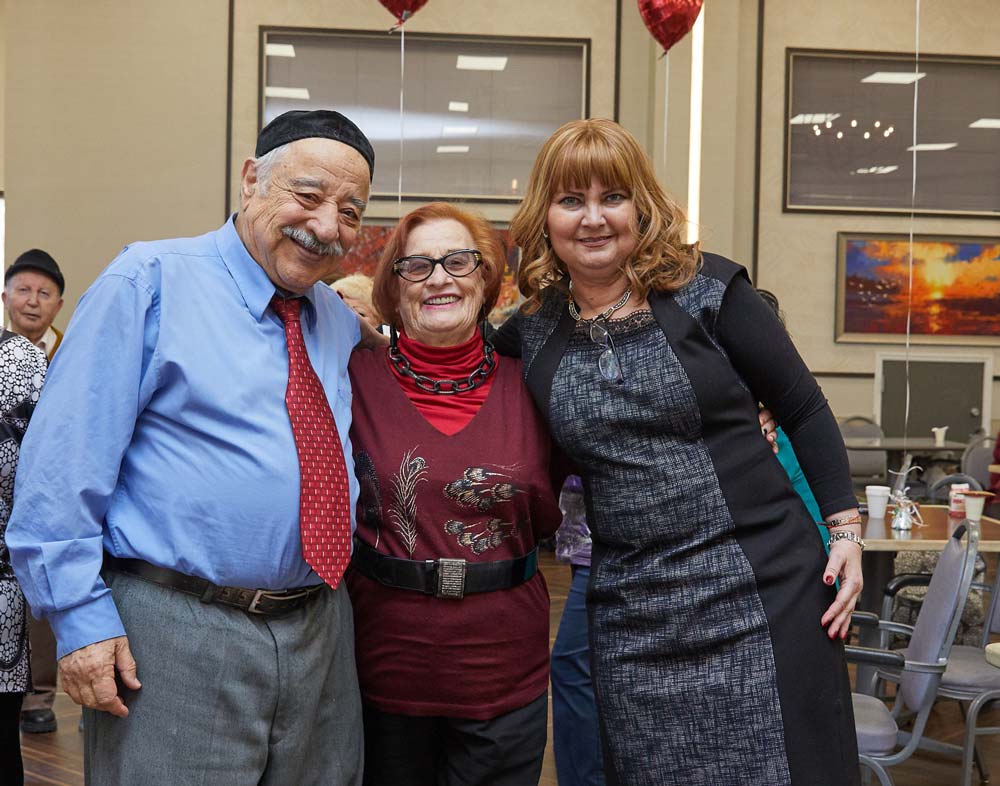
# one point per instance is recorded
(271, 603)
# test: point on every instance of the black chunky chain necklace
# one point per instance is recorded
(446, 387)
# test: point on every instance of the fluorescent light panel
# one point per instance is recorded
(453, 148)
(459, 130)
(986, 122)
(476, 63)
(876, 170)
(804, 120)
(894, 77)
(287, 92)
(929, 147)
(694, 138)
(458, 106)
(279, 50)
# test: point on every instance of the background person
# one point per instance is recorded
(22, 371)
(206, 466)
(450, 613)
(32, 297)
(711, 598)
(356, 291)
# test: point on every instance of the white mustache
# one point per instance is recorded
(309, 241)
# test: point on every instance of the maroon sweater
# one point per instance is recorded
(482, 494)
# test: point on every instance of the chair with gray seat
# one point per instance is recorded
(976, 459)
(973, 682)
(919, 668)
(867, 466)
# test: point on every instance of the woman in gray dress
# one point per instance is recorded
(714, 621)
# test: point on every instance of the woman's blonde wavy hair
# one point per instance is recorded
(576, 153)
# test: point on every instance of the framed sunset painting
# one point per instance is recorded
(955, 296)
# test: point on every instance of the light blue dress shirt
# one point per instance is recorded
(162, 432)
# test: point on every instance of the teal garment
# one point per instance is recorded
(786, 455)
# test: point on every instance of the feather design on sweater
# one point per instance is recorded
(403, 509)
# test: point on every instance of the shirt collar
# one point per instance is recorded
(251, 279)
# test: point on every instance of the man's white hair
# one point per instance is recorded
(266, 163)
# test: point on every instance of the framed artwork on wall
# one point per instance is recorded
(955, 296)
(849, 133)
(367, 251)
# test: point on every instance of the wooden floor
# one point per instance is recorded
(57, 759)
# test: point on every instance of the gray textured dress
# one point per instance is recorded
(709, 662)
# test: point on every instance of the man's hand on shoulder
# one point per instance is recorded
(370, 337)
(88, 675)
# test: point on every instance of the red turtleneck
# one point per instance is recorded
(449, 414)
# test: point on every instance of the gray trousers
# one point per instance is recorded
(230, 698)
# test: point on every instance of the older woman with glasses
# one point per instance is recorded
(715, 626)
(451, 615)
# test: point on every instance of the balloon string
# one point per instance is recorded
(913, 202)
(402, 77)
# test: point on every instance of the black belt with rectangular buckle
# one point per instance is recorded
(270, 603)
(445, 577)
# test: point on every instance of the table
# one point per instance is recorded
(902, 451)
(919, 445)
(882, 542)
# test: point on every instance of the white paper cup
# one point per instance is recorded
(975, 501)
(878, 500)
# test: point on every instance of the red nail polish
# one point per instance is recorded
(828, 580)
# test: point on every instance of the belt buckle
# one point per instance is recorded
(252, 608)
(451, 578)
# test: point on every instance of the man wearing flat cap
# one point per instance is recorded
(32, 296)
(189, 549)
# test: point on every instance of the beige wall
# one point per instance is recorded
(114, 125)
(797, 251)
(593, 19)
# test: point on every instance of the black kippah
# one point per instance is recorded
(323, 123)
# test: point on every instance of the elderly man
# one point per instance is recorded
(193, 441)
(32, 296)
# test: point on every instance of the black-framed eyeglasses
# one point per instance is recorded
(607, 362)
(419, 268)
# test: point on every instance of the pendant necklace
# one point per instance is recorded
(574, 311)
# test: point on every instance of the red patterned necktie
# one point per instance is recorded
(324, 493)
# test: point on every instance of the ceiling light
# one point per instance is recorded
(453, 148)
(986, 122)
(804, 120)
(458, 106)
(459, 130)
(829, 124)
(894, 77)
(287, 92)
(476, 63)
(817, 132)
(854, 124)
(887, 132)
(927, 147)
(868, 135)
(279, 50)
(878, 124)
(840, 135)
(876, 170)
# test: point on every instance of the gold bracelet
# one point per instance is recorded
(856, 519)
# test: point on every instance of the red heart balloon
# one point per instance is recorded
(669, 20)
(403, 9)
